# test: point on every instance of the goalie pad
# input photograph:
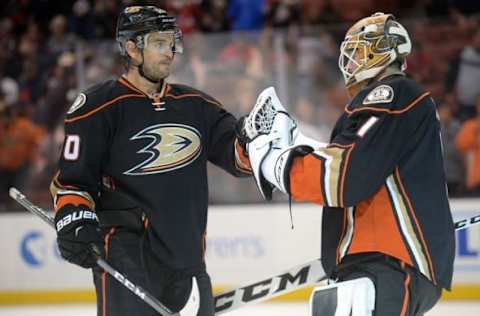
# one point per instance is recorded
(349, 298)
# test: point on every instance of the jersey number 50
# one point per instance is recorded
(71, 150)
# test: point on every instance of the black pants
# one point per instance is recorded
(171, 287)
(400, 289)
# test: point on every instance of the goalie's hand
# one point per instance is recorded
(77, 231)
(241, 134)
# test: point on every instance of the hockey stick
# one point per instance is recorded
(304, 275)
(190, 308)
(467, 222)
(288, 281)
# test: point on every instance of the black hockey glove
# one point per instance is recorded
(78, 232)
(241, 134)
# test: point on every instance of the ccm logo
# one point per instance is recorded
(75, 216)
(261, 289)
(468, 221)
(138, 292)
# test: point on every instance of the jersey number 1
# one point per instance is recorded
(71, 150)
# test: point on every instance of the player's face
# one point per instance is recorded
(158, 55)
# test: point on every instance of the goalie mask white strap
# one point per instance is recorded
(348, 298)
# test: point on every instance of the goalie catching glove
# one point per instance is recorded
(78, 235)
(275, 141)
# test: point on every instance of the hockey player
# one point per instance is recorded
(387, 231)
(135, 157)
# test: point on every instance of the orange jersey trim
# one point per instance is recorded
(344, 175)
(406, 297)
(103, 106)
(373, 109)
(187, 95)
(242, 162)
(420, 232)
(73, 199)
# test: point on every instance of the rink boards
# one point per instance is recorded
(244, 243)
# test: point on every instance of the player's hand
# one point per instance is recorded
(241, 134)
(77, 231)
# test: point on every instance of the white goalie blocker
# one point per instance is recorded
(348, 298)
(275, 138)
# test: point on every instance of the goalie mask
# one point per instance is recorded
(370, 46)
(136, 22)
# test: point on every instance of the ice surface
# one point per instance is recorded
(464, 308)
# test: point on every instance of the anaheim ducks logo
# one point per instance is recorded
(173, 146)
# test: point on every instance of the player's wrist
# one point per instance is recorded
(71, 216)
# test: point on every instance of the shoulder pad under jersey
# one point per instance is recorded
(92, 98)
(181, 91)
(395, 94)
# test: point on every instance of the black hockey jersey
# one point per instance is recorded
(381, 181)
(155, 153)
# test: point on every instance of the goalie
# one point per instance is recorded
(387, 230)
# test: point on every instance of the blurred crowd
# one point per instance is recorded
(51, 50)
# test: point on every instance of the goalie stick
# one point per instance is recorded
(193, 302)
(290, 280)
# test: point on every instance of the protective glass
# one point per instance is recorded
(166, 44)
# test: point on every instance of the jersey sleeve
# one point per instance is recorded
(223, 147)
(83, 153)
(364, 152)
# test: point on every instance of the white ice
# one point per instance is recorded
(464, 308)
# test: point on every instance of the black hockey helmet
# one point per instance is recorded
(136, 21)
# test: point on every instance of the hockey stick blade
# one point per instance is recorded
(304, 275)
(190, 308)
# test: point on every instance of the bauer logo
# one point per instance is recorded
(33, 249)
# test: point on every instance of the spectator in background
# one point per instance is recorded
(449, 126)
(283, 13)
(52, 108)
(32, 66)
(187, 13)
(468, 142)
(464, 78)
(213, 16)
(19, 141)
(82, 19)
(246, 15)
(60, 39)
(242, 55)
(104, 15)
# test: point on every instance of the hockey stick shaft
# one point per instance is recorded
(467, 222)
(137, 290)
(300, 276)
